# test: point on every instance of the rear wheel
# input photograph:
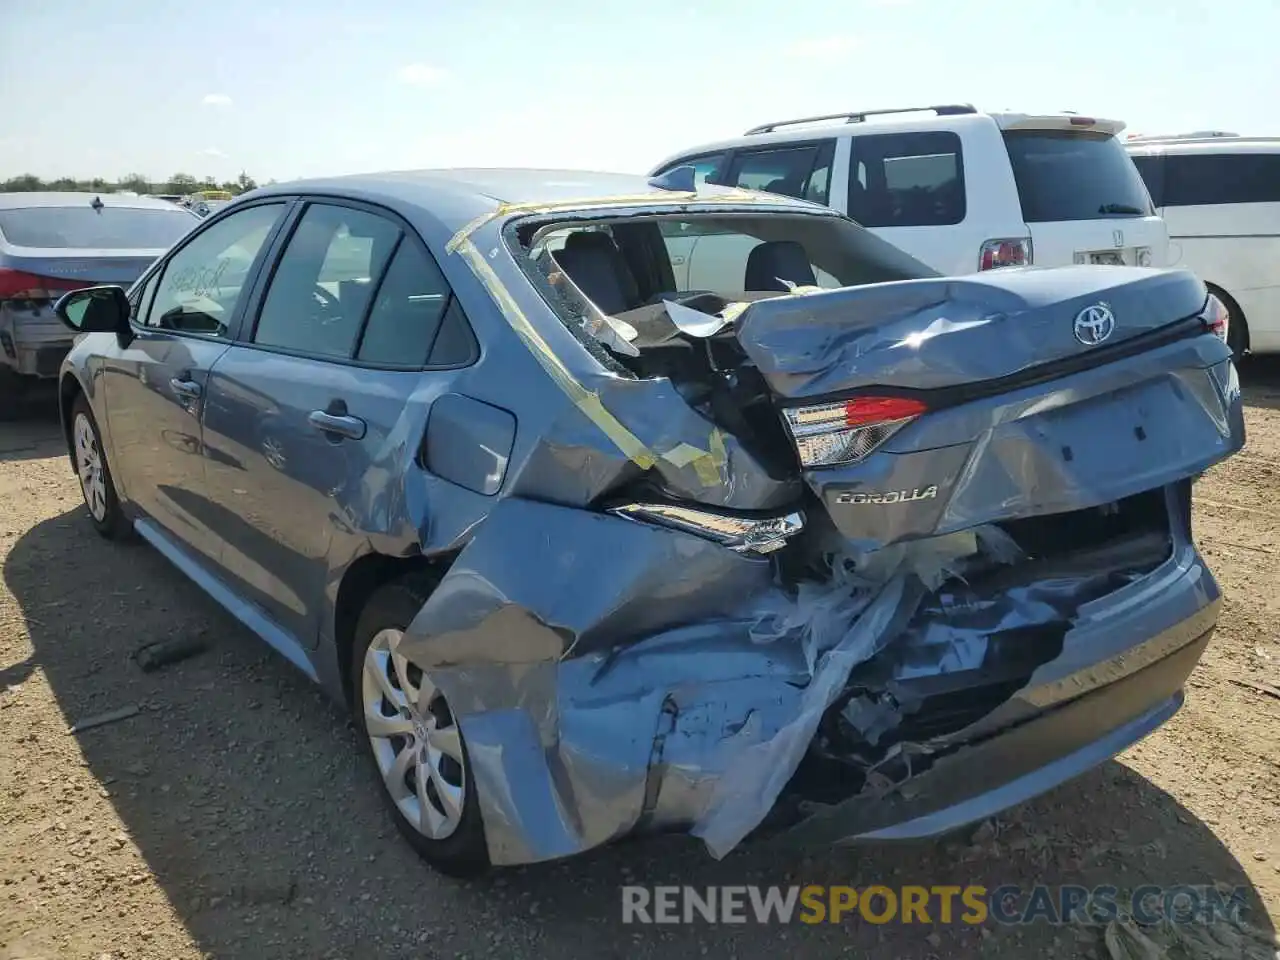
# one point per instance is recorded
(413, 737)
(95, 475)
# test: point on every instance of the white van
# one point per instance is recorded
(1220, 195)
(959, 189)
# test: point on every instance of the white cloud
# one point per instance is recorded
(212, 152)
(832, 46)
(216, 100)
(420, 74)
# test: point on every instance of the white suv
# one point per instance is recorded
(1220, 195)
(959, 189)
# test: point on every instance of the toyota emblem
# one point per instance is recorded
(1094, 324)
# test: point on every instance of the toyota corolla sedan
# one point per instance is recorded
(835, 548)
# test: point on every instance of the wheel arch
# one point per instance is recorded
(364, 576)
(69, 388)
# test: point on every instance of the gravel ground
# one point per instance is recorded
(234, 816)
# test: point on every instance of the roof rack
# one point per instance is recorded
(942, 110)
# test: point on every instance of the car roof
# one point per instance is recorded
(1216, 145)
(454, 197)
(18, 201)
(494, 184)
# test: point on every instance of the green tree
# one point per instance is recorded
(246, 182)
(137, 182)
(26, 183)
(181, 183)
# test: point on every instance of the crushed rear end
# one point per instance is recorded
(808, 563)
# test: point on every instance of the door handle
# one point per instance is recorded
(187, 389)
(337, 425)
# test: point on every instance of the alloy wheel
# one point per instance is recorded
(414, 737)
(93, 480)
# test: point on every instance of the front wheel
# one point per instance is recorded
(95, 475)
(414, 739)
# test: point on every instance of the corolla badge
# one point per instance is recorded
(1094, 324)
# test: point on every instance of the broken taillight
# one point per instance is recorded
(848, 430)
(1216, 317)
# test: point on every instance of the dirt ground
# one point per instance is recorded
(234, 816)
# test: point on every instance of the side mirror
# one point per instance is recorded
(95, 310)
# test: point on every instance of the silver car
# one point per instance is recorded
(838, 548)
(54, 242)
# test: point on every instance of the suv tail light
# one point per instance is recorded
(848, 430)
(1216, 317)
(16, 285)
(1015, 252)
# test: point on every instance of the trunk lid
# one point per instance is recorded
(1020, 408)
(80, 267)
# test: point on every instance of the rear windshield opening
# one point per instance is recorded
(1070, 175)
(610, 278)
(84, 228)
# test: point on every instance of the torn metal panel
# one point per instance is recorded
(674, 685)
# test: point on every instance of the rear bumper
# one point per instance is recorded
(1019, 763)
(632, 703)
(32, 342)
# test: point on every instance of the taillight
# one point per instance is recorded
(17, 285)
(1216, 317)
(848, 430)
(1005, 253)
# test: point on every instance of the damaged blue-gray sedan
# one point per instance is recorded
(830, 547)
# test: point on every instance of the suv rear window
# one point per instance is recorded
(111, 228)
(1070, 175)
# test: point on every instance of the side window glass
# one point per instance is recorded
(802, 172)
(1207, 179)
(455, 344)
(321, 287)
(907, 180)
(405, 318)
(202, 283)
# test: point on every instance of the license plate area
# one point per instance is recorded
(1109, 258)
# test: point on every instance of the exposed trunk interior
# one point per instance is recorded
(955, 662)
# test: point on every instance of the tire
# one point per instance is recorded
(96, 484)
(424, 745)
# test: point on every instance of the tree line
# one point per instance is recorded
(179, 183)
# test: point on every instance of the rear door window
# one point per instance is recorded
(802, 171)
(415, 319)
(1208, 178)
(87, 228)
(323, 283)
(907, 180)
(1074, 175)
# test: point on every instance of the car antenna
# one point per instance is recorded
(97, 203)
(681, 179)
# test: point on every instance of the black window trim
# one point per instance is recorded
(280, 243)
(235, 322)
(960, 175)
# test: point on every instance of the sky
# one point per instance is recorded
(314, 87)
